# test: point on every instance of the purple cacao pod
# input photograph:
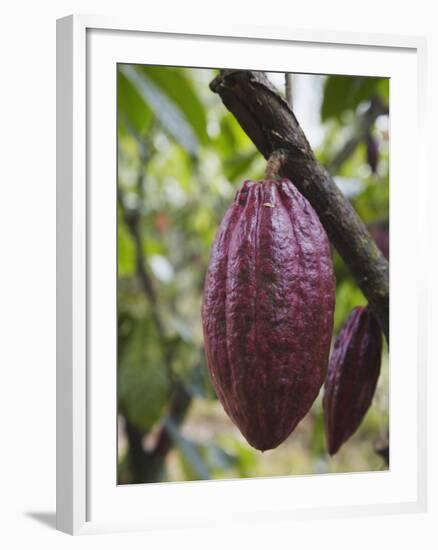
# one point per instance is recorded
(379, 230)
(268, 310)
(352, 376)
(372, 146)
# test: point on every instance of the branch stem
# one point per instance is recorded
(289, 89)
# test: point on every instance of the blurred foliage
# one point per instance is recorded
(142, 372)
(181, 158)
(343, 94)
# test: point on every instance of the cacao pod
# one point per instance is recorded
(268, 310)
(372, 146)
(352, 376)
(379, 230)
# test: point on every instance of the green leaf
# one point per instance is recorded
(246, 457)
(383, 88)
(174, 83)
(348, 296)
(172, 119)
(125, 250)
(231, 137)
(343, 93)
(239, 164)
(143, 383)
(132, 110)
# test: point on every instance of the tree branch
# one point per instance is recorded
(289, 89)
(268, 120)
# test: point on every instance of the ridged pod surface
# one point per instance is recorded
(268, 310)
(352, 376)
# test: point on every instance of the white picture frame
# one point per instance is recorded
(87, 500)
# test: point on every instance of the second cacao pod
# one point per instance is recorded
(268, 310)
(379, 230)
(352, 376)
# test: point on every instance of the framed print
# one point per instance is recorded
(228, 204)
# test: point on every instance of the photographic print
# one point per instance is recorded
(253, 249)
